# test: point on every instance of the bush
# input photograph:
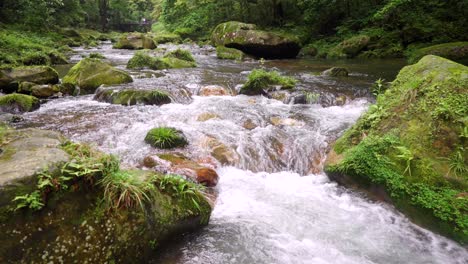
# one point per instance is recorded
(165, 138)
(258, 80)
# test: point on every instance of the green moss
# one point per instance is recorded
(162, 38)
(165, 138)
(175, 63)
(90, 73)
(18, 103)
(411, 141)
(96, 55)
(181, 55)
(456, 51)
(229, 54)
(133, 97)
(258, 80)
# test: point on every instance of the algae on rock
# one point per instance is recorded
(18, 103)
(409, 144)
(132, 96)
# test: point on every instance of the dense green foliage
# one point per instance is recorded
(413, 143)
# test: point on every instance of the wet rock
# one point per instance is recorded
(282, 96)
(259, 43)
(206, 116)
(143, 59)
(222, 153)
(259, 82)
(65, 89)
(89, 74)
(249, 124)
(229, 54)
(135, 41)
(42, 91)
(278, 121)
(132, 97)
(26, 87)
(213, 90)
(34, 74)
(167, 38)
(336, 72)
(18, 103)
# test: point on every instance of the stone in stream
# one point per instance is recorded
(135, 41)
(132, 96)
(213, 90)
(179, 164)
(32, 74)
(225, 53)
(65, 201)
(143, 59)
(18, 103)
(89, 74)
(259, 43)
(336, 72)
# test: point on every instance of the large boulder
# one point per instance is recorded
(132, 96)
(456, 51)
(259, 43)
(135, 41)
(89, 74)
(65, 202)
(143, 59)
(410, 148)
(18, 103)
(34, 74)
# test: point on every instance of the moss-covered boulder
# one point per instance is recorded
(89, 74)
(132, 97)
(35, 74)
(135, 41)
(87, 209)
(410, 148)
(456, 51)
(336, 72)
(181, 54)
(18, 103)
(167, 38)
(143, 59)
(349, 48)
(166, 138)
(259, 43)
(229, 54)
(261, 81)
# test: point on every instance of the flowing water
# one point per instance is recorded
(275, 205)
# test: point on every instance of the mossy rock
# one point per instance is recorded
(260, 81)
(229, 54)
(456, 51)
(35, 74)
(175, 63)
(18, 103)
(166, 138)
(89, 74)
(132, 97)
(336, 72)
(412, 145)
(135, 41)
(349, 48)
(167, 38)
(259, 43)
(181, 54)
(143, 59)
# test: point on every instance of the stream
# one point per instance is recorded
(275, 204)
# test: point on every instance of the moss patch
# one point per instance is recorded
(18, 103)
(259, 80)
(412, 143)
(229, 54)
(181, 55)
(133, 97)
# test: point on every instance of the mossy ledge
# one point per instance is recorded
(411, 147)
(85, 207)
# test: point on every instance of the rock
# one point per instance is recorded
(401, 150)
(167, 38)
(206, 116)
(308, 51)
(5, 80)
(182, 165)
(175, 63)
(259, 43)
(456, 51)
(260, 81)
(181, 54)
(336, 72)
(213, 90)
(18, 103)
(135, 41)
(26, 87)
(34, 74)
(89, 74)
(349, 48)
(222, 153)
(42, 91)
(65, 89)
(143, 59)
(249, 124)
(229, 54)
(278, 121)
(132, 97)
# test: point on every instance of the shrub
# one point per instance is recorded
(165, 138)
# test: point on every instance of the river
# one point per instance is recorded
(275, 204)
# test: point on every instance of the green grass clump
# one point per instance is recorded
(18, 103)
(181, 55)
(165, 138)
(259, 80)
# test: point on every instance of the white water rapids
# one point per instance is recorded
(274, 204)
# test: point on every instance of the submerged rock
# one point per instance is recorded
(336, 72)
(213, 90)
(89, 74)
(135, 41)
(132, 97)
(259, 43)
(18, 103)
(404, 149)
